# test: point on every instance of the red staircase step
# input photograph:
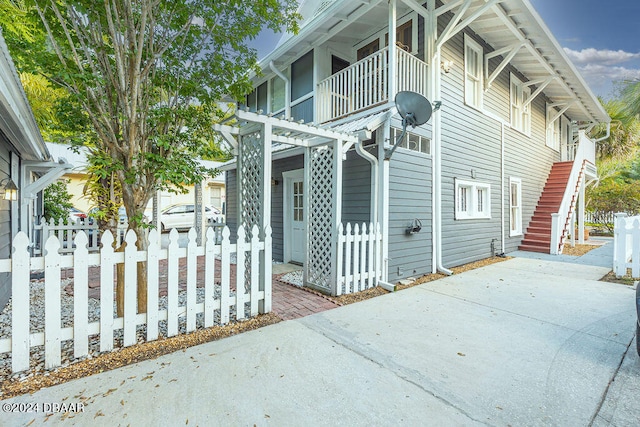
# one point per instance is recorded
(538, 235)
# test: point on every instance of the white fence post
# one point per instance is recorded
(240, 272)
(130, 289)
(80, 296)
(619, 245)
(255, 271)
(225, 276)
(172, 284)
(209, 277)
(192, 270)
(153, 279)
(20, 303)
(106, 292)
(52, 339)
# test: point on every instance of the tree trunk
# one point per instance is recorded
(142, 244)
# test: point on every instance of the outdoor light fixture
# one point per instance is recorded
(10, 189)
(415, 110)
(446, 66)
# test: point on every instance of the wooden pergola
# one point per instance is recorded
(252, 141)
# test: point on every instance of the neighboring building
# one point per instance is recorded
(24, 160)
(213, 188)
(472, 179)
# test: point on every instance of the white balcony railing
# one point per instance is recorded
(364, 84)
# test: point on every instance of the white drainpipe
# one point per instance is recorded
(374, 179)
(608, 134)
(287, 88)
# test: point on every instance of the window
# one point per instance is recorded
(520, 113)
(472, 72)
(404, 36)
(553, 128)
(277, 95)
(302, 76)
(369, 49)
(412, 141)
(515, 206)
(257, 100)
(473, 200)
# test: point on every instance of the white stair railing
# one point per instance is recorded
(584, 153)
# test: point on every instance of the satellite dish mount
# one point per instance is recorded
(415, 110)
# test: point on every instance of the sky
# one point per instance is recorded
(602, 38)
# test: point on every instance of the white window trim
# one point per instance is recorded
(524, 123)
(518, 229)
(395, 132)
(473, 212)
(553, 130)
(475, 46)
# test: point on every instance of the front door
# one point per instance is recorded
(294, 217)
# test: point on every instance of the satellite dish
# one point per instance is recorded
(414, 108)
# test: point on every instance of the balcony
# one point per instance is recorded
(364, 84)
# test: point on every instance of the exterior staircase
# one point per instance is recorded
(538, 235)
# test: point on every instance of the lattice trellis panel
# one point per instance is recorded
(250, 185)
(320, 217)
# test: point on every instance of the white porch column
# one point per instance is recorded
(393, 68)
(265, 222)
(581, 211)
(337, 210)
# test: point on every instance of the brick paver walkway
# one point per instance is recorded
(288, 301)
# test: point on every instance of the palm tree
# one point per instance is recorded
(624, 139)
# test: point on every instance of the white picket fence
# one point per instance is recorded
(626, 245)
(256, 293)
(359, 264)
(66, 232)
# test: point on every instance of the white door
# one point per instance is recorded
(294, 217)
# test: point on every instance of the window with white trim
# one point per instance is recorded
(412, 141)
(553, 128)
(520, 113)
(515, 207)
(473, 60)
(473, 200)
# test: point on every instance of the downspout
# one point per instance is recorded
(433, 51)
(607, 135)
(287, 88)
(437, 154)
(502, 185)
(374, 178)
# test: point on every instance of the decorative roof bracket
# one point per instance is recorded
(512, 51)
(458, 24)
(543, 85)
(564, 107)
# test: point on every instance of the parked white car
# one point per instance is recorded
(182, 216)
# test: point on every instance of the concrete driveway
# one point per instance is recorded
(523, 342)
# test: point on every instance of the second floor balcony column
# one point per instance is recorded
(393, 69)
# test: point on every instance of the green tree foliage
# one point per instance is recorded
(56, 201)
(623, 141)
(147, 77)
(615, 195)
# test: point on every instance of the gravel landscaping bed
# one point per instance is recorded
(37, 325)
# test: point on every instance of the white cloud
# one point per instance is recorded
(604, 56)
(598, 71)
(601, 68)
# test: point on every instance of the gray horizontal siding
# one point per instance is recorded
(5, 227)
(471, 141)
(356, 189)
(409, 199)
